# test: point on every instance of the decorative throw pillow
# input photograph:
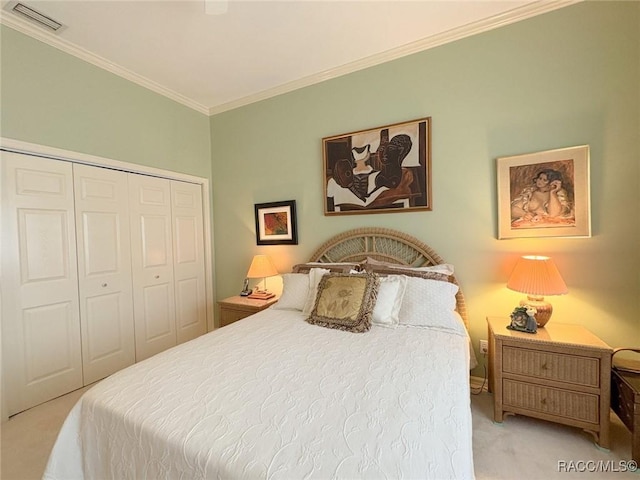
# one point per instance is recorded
(345, 302)
(315, 275)
(430, 303)
(389, 300)
(295, 289)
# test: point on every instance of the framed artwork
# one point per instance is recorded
(276, 223)
(544, 194)
(384, 169)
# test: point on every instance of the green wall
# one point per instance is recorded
(51, 98)
(566, 78)
(569, 77)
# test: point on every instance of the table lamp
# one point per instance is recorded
(262, 267)
(537, 276)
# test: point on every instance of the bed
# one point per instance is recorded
(277, 395)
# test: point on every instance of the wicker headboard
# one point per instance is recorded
(386, 245)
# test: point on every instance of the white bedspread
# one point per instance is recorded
(273, 397)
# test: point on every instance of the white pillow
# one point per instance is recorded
(430, 303)
(315, 275)
(295, 288)
(389, 300)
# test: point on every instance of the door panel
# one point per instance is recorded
(157, 306)
(104, 268)
(188, 303)
(185, 235)
(105, 336)
(188, 247)
(152, 265)
(43, 244)
(101, 235)
(46, 330)
(38, 183)
(40, 311)
(155, 247)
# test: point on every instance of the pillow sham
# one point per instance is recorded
(295, 289)
(315, 275)
(409, 272)
(344, 267)
(345, 302)
(430, 303)
(440, 267)
(389, 300)
(445, 268)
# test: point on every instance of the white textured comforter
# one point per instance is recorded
(274, 397)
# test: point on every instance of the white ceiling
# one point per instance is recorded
(258, 48)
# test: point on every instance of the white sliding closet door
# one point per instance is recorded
(40, 316)
(152, 264)
(104, 270)
(188, 262)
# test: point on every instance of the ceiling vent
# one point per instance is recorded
(37, 17)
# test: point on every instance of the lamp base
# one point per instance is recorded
(543, 309)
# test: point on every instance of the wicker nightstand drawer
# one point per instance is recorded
(551, 366)
(582, 407)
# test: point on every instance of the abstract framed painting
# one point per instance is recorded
(276, 223)
(380, 170)
(544, 194)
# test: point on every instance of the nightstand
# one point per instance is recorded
(625, 398)
(561, 374)
(236, 308)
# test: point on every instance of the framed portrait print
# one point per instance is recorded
(276, 223)
(384, 169)
(544, 194)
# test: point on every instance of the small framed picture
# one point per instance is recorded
(276, 223)
(544, 194)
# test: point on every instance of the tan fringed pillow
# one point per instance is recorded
(345, 302)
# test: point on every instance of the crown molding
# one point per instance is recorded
(474, 28)
(50, 39)
(501, 20)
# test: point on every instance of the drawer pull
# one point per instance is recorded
(543, 401)
(157, 276)
(104, 285)
(544, 366)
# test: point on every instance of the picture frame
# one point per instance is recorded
(276, 223)
(544, 194)
(379, 170)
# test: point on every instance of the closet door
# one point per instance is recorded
(40, 320)
(188, 262)
(152, 264)
(104, 270)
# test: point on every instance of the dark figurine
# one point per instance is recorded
(523, 320)
(245, 288)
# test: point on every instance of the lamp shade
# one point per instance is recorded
(262, 266)
(536, 275)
